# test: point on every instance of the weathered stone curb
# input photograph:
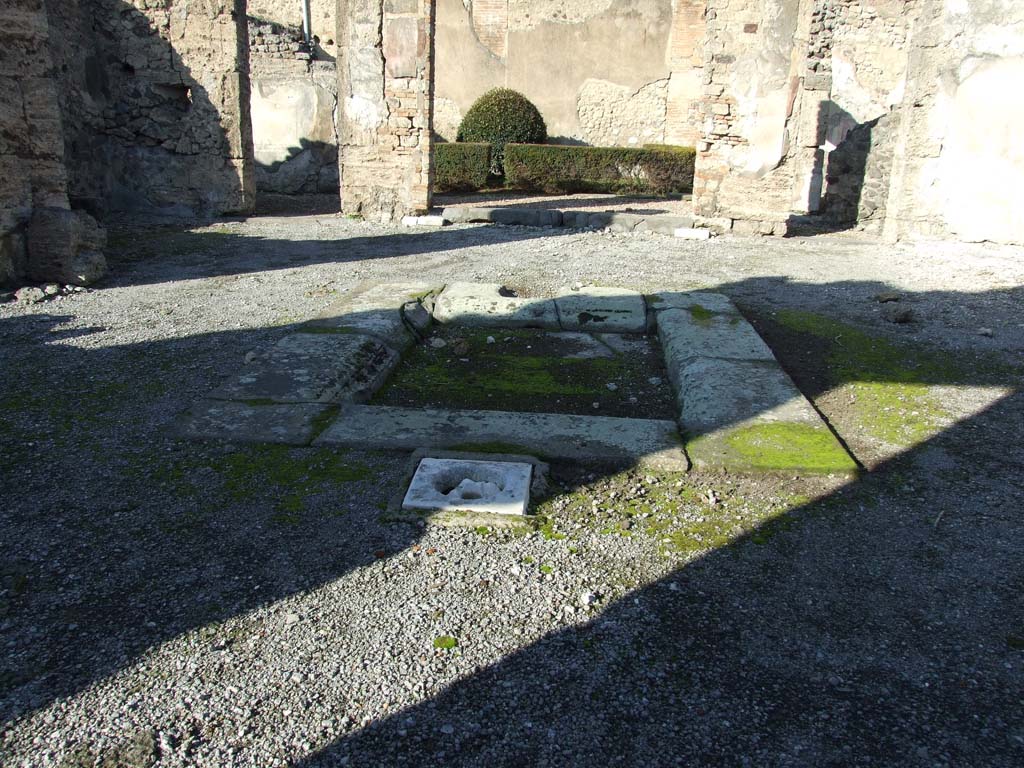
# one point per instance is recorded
(662, 223)
(738, 409)
(313, 368)
(484, 304)
(597, 309)
(588, 308)
(601, 439)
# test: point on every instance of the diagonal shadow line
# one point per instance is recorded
(81, 658)
(766, 651)
(191, 255)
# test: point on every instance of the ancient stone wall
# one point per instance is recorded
(895, 115)
(31, 144)
(602, 72)
(323, 18)
(155, 99)
(760, 125)
(40, 237)
(385, 79)
(293, 103)
(958, 163)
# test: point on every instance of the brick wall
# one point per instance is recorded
(385, 60)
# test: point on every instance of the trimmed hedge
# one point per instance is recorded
(461, 167)
(560, 169)
(501, 116)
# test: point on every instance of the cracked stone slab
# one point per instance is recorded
(385, 325)
(495, 487)
(482, 304)
(601, 439)
(314, 367)
(717, 393)
(288, 424)
(598, 309)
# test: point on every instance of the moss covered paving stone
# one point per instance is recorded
(531, 371)
(773, 447)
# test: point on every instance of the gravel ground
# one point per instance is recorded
(173, 604)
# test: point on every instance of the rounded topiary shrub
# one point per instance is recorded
(499, 117)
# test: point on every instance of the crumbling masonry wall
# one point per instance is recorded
(40, 237)
(155, 99)
(898, 115)
(385, 79)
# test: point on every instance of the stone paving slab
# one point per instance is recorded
(646, 442)
(482, 304)
(391, 312)
(385, 325)
(717, 393)
(289, 424)
(314, 367)
(598, 309)
(715, 303)
(685, 336)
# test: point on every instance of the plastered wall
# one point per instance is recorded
(602, 72)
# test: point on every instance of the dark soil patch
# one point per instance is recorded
(535, 372)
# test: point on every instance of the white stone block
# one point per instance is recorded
(431, 221)
(692, 233)
(424, 221)
(498, 487)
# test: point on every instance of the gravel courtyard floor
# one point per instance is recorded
(170, 603)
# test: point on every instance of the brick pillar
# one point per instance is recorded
(385, 92)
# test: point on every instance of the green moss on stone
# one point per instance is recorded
(700, 314)
(781, 447)
(889, 384)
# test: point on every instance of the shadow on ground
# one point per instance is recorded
(881, 623)
(167, 253)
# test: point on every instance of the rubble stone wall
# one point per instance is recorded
(602, 72)
(155, 99)
(32, 172)
(323, 19)
(41, 238)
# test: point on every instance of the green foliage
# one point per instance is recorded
(445, 642)
(499, 117)
(558, 169)
(461, 167)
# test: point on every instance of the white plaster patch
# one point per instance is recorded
(362, 111)
(982, 160)
(498, 487)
